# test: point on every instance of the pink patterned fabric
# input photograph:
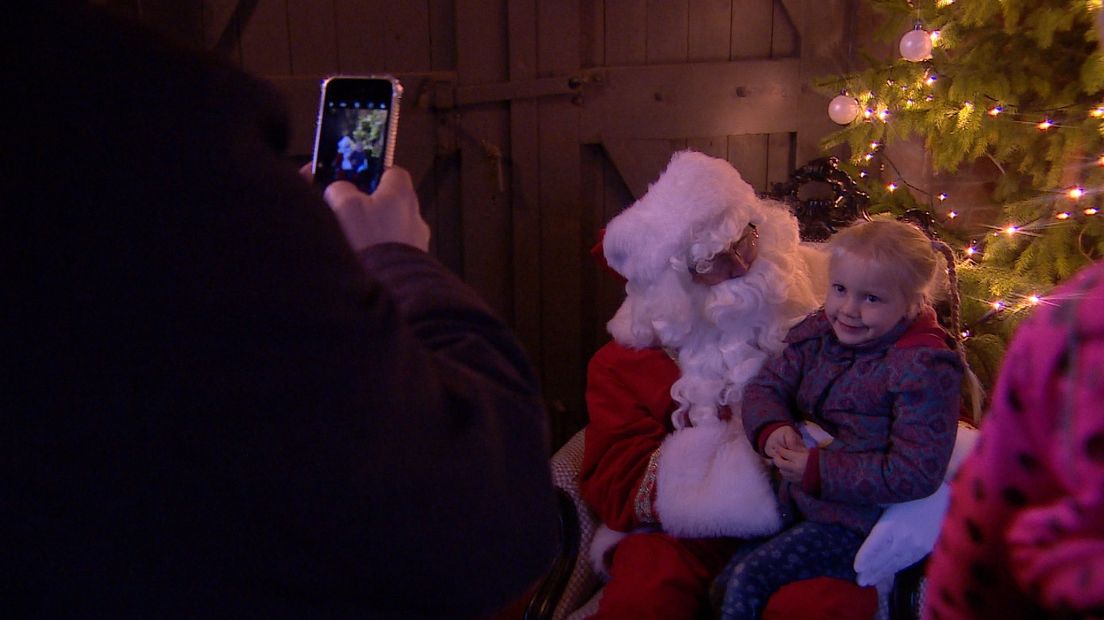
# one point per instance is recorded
(1024, 535)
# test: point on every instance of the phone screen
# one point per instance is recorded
(354, 129)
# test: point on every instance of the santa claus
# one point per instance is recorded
(715, 277)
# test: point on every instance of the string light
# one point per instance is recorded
(931, 79)
(995, 110)
(1010, 230)
(935, 36)
(1076, 193)
(868, 156)
(883, 115)
(892, 187)
(1091, 211)
(997, 305)
(942, 197)
(952, 214)
(1045, 125)
(867, 113)
(970, 251)
(1097, 112)
(862, 174)
(1100, 162)
(874, 146)
(1034, 299)
(1064, 215)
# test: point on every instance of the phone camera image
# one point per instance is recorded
(356, 125)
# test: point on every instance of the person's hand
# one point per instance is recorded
(782, 437)
(390, 214)
(791, 462)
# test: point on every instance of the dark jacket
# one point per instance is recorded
(213, 408)
(892, 407)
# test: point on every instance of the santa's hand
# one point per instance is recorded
(791, 462)
(905, 533)
(782, 437)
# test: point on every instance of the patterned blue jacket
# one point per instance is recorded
(891, 405)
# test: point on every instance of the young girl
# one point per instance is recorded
(875, 379)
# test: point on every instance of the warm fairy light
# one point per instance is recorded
(1034, 300)
(883, 115)
(944, 3)
(892, 187)
(1100, 162)
(1075, 193)
(862, 173)
(942, 197)
(952, 214)
(868, 156)
(909, 103)
(966, 333)
(997, 305)
(1011, 230)
(970, 251)
(1097, 112)
(874, 146)
(1045, 125)
(934, 36)
(1091, 211)
(1064, 215)
(929, 98)
(931, 79)
(867, 113)
(995, 110)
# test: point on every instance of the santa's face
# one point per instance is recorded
(864, 301)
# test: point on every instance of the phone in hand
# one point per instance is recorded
(358, 119)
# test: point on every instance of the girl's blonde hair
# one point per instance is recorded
(913, 259)
(902, 251)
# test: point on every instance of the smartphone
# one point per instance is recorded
(358, 119)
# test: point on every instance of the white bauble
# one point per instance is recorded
(843, 109)
(916, 45)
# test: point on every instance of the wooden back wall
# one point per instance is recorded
(528, 124)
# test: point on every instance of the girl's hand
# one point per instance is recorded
(791, 463)
(782, 437)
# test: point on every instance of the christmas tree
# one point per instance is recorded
(1018, 83)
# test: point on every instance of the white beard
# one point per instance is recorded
(722, 334)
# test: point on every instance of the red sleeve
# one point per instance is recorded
(629, 400)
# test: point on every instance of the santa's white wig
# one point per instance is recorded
(723, 333)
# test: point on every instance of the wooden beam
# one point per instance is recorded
(692, 100)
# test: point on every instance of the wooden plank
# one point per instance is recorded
(698, 99)
(408, 31)
(667, 31)
(562, 249)
(217, 16)
(593, 33)
(780, 157)
(640, 162)
(626, 32)
(442, 35)
(785, 39)
(312, 37)
(751, 34)
(748, 154)
(709, 30)
(716, 146)
(525, 181)
(483, 130)
(264, 40)
(361, 35)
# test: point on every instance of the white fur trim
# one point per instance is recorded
(711, 483)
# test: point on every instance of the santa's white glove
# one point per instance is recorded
(905, 533)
